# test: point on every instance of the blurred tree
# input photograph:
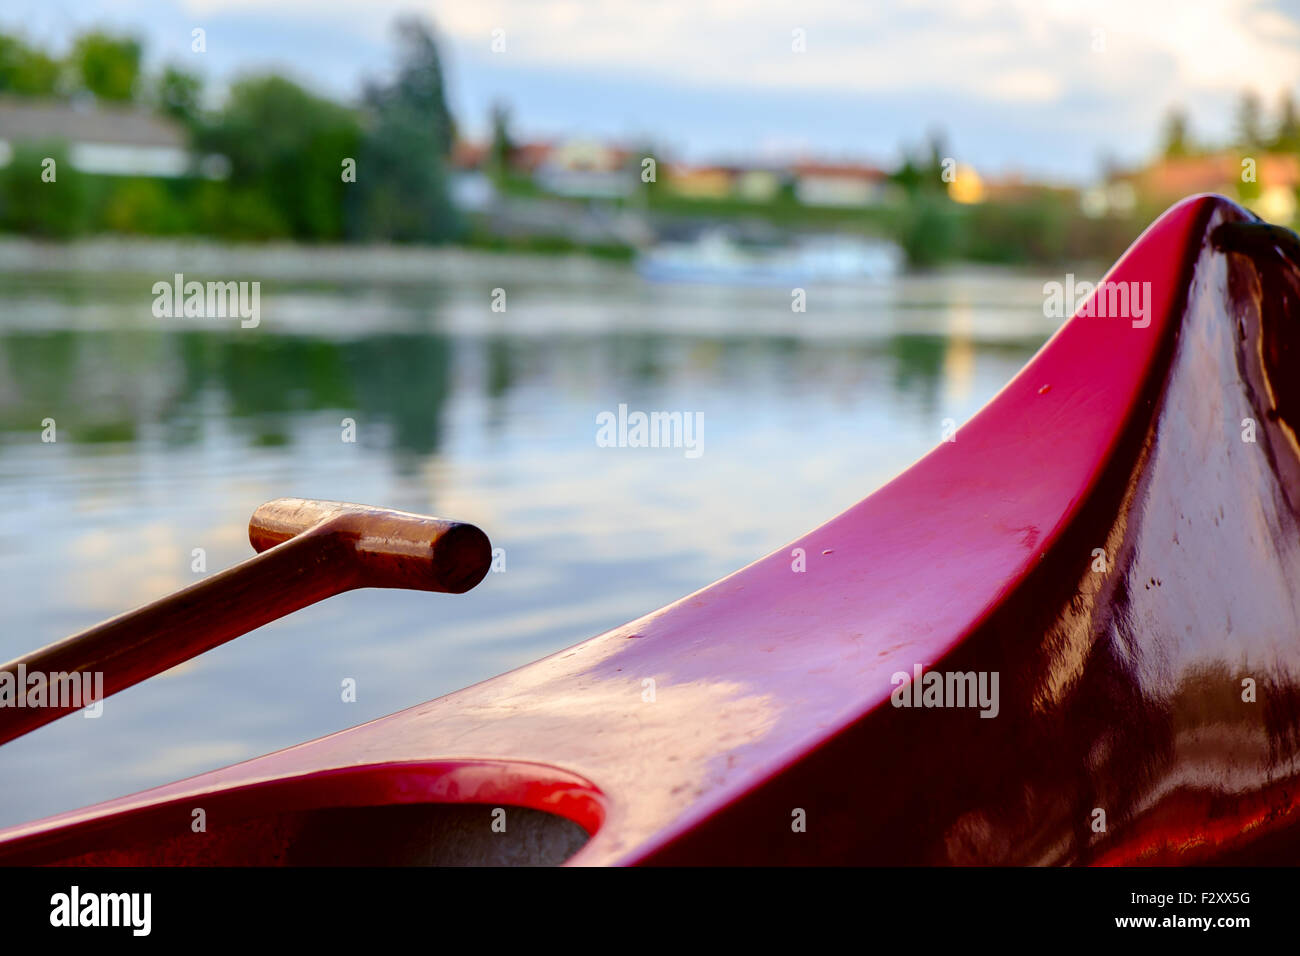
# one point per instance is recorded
(907, 176)
(285, 149)
(1286, 137)
(923, 172)
(1250, 138)
(1176, 138)
(938, 156)
(239, 212)
(502, 147)
(26, 71)
(33, 205)
(1030, 230)
(1250, 131)
(179, 95)
(141, 206)
(929, 229)
(106, 65)
(402, 180)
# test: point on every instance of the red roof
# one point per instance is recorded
(838, 170)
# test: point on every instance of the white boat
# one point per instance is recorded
(718, 258)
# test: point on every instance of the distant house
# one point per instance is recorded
(1174, 177)
(529, 157)
(471, 188)
(759, 185)
(466, 155)
(1276, 178)
(1009, 187)
(104, 139)
(586, 169)
(843, 184)
(701, 182)
(578, 168)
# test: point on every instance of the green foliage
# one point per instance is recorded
(179, 94)
(1104, 238)
(1013, 232)
(921, 172)
(285, 149)
(1286, 138)
(547, 245)
(1176, 137)
(141, 207)
(1249, 192)
(502, 147)
(929, 230)
(221, 209)
(1250, 132)
(106, 65)
(28, 204)
(908, 176)
(26, 71)
(401, 192)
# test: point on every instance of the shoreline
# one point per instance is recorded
(291, 260)
(370, 263)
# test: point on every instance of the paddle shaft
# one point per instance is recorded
(310, 551)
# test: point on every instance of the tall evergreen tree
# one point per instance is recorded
(502, 147)
(402, 178)
(1176, 137)
(1286, 137)
(1250, 124)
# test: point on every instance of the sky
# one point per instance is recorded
(1048, 88)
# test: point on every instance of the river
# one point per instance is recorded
(170, 431)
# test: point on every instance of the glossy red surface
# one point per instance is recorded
(1119, 690)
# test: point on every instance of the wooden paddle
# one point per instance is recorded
(309, 550)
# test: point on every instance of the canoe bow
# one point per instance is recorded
(1114, 536)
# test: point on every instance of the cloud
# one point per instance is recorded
(1022, 50)
(1004, 50)
(1036, 84)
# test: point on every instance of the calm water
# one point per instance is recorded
(171, 431)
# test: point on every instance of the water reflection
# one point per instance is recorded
(104, 387)
(170, 434)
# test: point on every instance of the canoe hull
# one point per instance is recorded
(1101, 547)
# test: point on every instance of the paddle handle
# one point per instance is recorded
(387, 549)
(310, 550)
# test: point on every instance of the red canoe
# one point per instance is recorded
(1087, 602)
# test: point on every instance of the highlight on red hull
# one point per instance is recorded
(1107, 550)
